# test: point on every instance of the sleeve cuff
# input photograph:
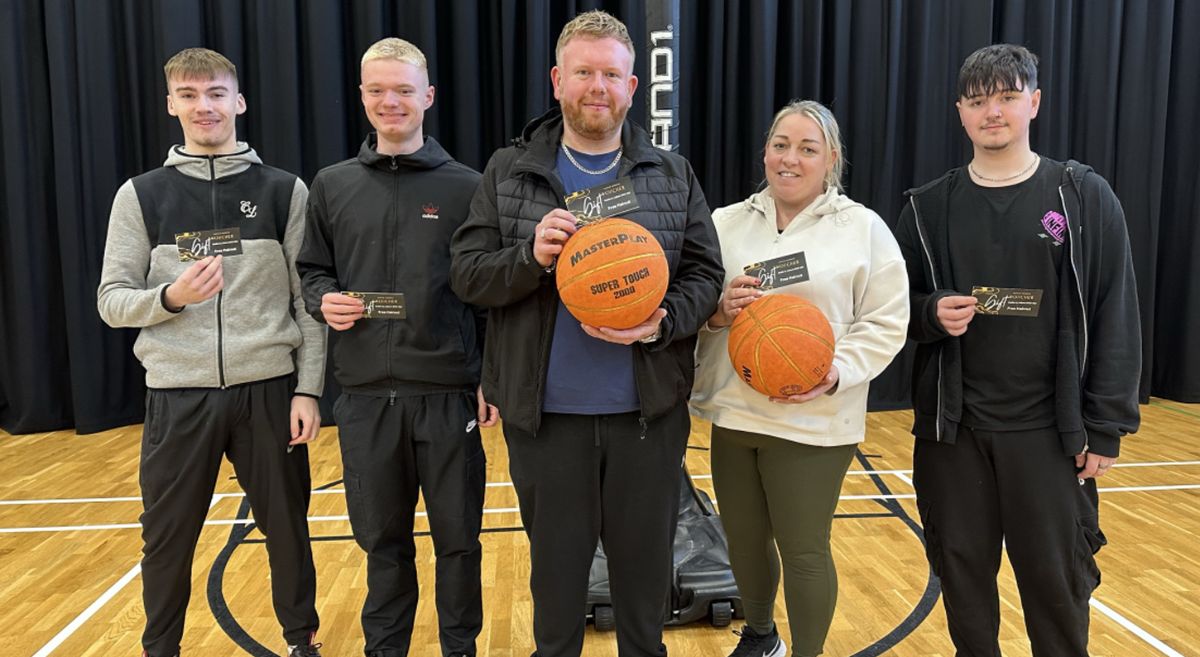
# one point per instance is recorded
(1103, 444)
(162, 300)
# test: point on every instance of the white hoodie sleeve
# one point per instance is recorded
(880, 323)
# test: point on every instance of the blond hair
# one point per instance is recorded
(198, 64)
(829, 129)
(395, 49)
(595, 24)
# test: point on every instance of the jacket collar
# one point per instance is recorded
(211, 167)
(429, 156)
(541, 138)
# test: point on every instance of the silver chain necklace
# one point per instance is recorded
(1014, 176)
(611, 165)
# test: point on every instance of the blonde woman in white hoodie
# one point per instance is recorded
(778, 462)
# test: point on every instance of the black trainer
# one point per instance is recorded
(753, 644)
(311, 649)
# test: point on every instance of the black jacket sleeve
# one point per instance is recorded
(696, 286)
(315, 263)
(1112, 371)
(923, 324)
(483, 271)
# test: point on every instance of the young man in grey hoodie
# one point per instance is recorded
(234, 365)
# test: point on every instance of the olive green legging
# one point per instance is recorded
(774, 493)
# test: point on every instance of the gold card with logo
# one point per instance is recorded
(381, 305)
(1007, 301)
(777, 272)
(200, 244)
(614, 199)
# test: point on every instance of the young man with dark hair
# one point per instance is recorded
(233, 364)
(595, 419)
(1025, 313)
(410, 409)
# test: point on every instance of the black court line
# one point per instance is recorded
(216, 592)
(238, 536)
(216, 578)
(933, 586)
(502, 530)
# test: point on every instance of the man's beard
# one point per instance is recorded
(593, 127)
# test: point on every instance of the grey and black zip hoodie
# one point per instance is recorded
(255, 328)
(1099, 331)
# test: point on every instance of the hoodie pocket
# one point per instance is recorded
(1088, 541)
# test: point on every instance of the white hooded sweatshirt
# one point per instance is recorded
(856, 277)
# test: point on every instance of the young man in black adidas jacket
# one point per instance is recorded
(233, 364)
(595, 419)
(410, 409)
(1025, 312)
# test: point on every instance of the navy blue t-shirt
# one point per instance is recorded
(587, 376)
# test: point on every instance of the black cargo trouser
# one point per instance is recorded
(609, 477)
(1018, 490)
(185, 434)
(391, 447)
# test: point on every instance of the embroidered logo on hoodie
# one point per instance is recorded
(1056, 227)
(248, 210)
(429, 211)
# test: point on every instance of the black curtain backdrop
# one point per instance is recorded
(82, 109)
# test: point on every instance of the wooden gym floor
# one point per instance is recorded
(70, 545)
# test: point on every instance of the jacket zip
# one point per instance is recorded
(212, 175)
(392, 240)
(539, 393)
(937, 424)
(1078, 290)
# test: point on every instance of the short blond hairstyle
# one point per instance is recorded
(198, 64)
(829, 129)
(395, 49)
(595, 24)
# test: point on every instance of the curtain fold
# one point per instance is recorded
(82, 109)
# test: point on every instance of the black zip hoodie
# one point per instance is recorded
(1099, 331)
(383, 223)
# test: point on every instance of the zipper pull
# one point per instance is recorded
(394, 165)
(642, 421)
(392, 398)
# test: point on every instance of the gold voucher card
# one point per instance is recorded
(381, 305)
(1010, 301)
(780, 271)
(198, 245)
(614, 199)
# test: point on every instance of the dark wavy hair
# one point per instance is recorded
(1001, 67)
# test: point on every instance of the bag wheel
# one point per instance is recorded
(604, 619)
(721, 613)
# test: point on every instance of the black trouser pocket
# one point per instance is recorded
(1088, 541)
(152, 425)
(933, 544)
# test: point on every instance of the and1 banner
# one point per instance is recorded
(662, 24)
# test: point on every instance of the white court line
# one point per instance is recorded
(209, 523)
(902, 474)
(82, 618)
(1104, 609)
(1129, 625)
(421, 514)
(91, 610)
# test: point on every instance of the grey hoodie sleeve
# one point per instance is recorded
(122, 298)
(310, 355)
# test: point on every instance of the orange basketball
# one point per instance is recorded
(612, 273)
(781, 345)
